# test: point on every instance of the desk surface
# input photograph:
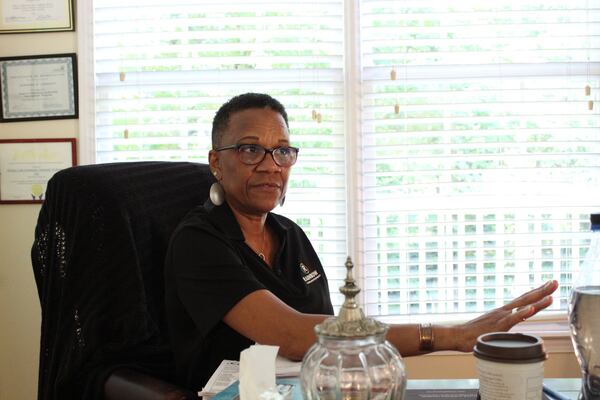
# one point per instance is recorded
(569, 387)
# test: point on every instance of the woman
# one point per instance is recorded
(237, 274)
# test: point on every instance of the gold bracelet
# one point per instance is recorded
(425, 337)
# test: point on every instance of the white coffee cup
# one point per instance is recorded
(510, 366)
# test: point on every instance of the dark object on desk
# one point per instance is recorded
(439, 394)
(98, 256)
(552, 394)
(544, 397)
(132, 385)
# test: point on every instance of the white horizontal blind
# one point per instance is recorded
(481, 156)
(163, 69)
(478, 188)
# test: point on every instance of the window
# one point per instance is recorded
(477, 135)
(162, 70)
(473, 167)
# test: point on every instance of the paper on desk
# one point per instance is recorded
(224, 375)
(287, 368)
(228, 372)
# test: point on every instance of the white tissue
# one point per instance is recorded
(272, 394)
(257, 371)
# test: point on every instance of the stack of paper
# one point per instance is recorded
(228, 372)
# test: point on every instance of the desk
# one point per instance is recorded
(569, 387)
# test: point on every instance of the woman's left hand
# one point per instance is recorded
(505, 317)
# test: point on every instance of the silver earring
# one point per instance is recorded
(216, 194)
(281, 201)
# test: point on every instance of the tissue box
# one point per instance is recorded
(288, 387)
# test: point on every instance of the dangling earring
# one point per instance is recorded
(216, 194)
(281, 201)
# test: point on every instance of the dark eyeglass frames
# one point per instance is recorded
(251, 154)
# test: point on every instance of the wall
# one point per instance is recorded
(462, 365)
(19, 306)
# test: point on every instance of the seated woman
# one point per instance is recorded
(237, 274)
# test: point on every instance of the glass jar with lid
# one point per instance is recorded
(351, 359)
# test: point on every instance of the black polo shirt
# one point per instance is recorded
(209, 268)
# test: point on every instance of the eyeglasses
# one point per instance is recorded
(251, 154)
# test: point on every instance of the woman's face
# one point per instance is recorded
(252, 189)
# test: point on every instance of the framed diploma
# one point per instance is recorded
(38, 87)
(26, 16)
(26, 165)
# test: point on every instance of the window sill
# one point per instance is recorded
(554, 329)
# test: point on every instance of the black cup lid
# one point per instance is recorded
(512, 348)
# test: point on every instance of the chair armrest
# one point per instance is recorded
(127, 384)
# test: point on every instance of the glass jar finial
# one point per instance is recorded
(351, 321)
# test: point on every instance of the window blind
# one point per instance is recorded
(478, 153)
(162, 69)
(481, 155)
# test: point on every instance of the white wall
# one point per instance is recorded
(19, 304)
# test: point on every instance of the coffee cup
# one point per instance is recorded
(510, 366)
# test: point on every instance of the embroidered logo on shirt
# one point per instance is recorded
(309, 277)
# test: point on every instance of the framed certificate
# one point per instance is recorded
(26, 16)
(38, 87)
(26, 165)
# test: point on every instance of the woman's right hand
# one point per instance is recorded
(505, 317)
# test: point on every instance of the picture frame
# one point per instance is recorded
(38, 87)
(26, 165)
(34, 16)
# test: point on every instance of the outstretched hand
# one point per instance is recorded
(505, 317)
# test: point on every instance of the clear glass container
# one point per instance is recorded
(584, 316)
(351, 358)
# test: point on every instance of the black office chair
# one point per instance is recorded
(100, 243)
